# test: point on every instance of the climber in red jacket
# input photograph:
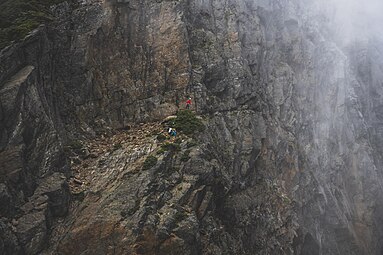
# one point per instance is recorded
(188, 103)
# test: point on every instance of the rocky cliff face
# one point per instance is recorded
(289, 161)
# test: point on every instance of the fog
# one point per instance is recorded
(357, 19)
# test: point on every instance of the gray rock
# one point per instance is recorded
(5, 201)
(57, 190)
(289, 161)
(32, 230)
(8, 241)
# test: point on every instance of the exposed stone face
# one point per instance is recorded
(8, 241)
(30, 145)
(129, 63)
(289, 163)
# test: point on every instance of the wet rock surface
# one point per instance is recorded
(289, 161)
(176, 206)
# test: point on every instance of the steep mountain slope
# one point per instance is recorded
(289, 161)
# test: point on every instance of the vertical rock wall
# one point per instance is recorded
(33, 167)
(292, 145)
(282, 62)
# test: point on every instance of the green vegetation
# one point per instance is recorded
(171, 147)
(174, 169)
(180, 216)
(117, 146)
(191, 143)
(75, 145)
(150, 161)
(161, 138)
(285, 199)
(185, 156)
(19, 17)
(79, 196)
(188, 123)
(160, 151)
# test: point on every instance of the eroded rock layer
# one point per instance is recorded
(289, 161)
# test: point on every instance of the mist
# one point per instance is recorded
(357, 20)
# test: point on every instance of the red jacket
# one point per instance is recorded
(188, 101)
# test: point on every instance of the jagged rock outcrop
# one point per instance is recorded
(33, 166)
(289, 161)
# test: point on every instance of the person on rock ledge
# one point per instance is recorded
(188, 103)
(172, 132)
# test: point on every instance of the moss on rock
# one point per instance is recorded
(188, 123)
(19, 17)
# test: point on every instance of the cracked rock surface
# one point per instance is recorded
(289, 161)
